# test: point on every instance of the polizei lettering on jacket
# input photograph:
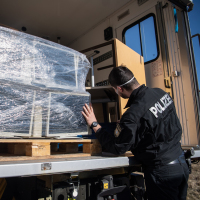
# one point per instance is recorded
(160, 106)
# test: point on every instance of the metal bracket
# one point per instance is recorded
(175, 74)
(76, 183)
(167, 83)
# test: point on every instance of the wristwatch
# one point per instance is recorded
(94, 124)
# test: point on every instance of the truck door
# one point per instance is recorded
(153, 34)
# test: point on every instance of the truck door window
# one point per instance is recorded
(133, 43)
(141, 37)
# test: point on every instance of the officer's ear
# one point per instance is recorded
(121, 89)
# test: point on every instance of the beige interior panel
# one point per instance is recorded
(100, 75)
(134, 62)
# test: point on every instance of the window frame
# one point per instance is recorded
(156, 34)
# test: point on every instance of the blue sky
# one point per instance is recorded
(194, 17)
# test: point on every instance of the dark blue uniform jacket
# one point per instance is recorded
(149, 128)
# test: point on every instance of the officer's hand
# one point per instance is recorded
(89, 115)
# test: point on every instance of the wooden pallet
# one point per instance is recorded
(48, 147)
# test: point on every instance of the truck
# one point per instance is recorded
(150, 37)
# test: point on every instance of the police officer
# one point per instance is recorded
(149, 128)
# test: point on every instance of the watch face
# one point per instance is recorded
(94, 124)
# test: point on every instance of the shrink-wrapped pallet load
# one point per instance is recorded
(42, 87)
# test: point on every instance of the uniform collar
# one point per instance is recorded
(134, 94)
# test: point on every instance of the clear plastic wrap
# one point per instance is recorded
(42, 87)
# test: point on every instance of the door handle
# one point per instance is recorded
(167, 84)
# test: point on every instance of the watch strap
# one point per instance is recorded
(94, 124)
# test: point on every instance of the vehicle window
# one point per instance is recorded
(133, 44)
(141, 37)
